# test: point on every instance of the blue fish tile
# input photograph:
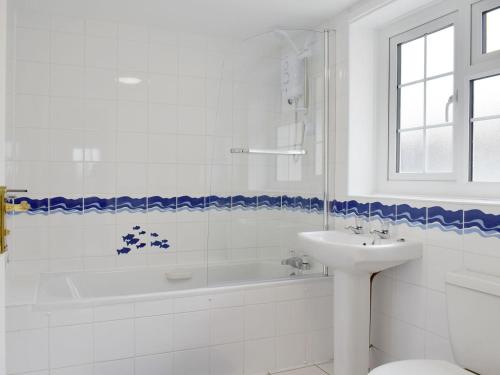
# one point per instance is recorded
(124, 250)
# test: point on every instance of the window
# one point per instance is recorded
(491, 30)
(485, 129)
(485, 30)
(423, 87)
(439, 102)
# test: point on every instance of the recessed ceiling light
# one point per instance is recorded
(129, 80)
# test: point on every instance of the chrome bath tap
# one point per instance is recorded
(300, 263)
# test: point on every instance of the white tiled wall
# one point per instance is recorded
(250, 331)
(409, 316)
(78, 131)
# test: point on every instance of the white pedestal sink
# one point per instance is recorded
(353, 259)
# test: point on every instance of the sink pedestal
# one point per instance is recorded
(353, 259)
(351, 323)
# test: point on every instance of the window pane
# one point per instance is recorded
(492, 19)
(440, 52)
(411, 112)
(412, 61)
(487, 96)
(439, 91)
(486, 152)
(439, 150)
(411, 145)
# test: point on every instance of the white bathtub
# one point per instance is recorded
(91, 288)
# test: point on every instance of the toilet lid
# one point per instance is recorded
(419, 367)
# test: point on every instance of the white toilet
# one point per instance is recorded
(474, 325)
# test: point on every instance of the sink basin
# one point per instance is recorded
(353, 259)
(358, 253)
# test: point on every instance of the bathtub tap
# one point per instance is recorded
(301, 263)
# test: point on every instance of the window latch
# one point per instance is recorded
(452, 99)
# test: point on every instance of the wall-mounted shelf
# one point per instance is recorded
(246, 150)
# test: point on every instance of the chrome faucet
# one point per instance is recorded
(300, 263)
(382, 234)
(356, 229)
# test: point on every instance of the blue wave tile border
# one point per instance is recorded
(460, 221)
(99, 205)
(240, 201)
(338, 208)
(37, 206)
(66, 205)
(382, 211)
(486, 225)
(287, 202)
(157, 203)
(355, 208)
(302, 204)
(269, 202)
(447, 220)
(129, 204)
(219, 203)
(187, 203)
(317, 205)
(413, 216)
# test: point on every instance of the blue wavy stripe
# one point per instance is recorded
(445, 218)
(338, 208)
(219, 203)
(190, 203)
(303, 204)
(66, 205)
(488, 223)
(97, 204)
(287, 202)
(240, 201)
(412, 215)
(358, 209)
(482, 233)
(130, 204)
(317, 205)
(157, 203)
(37, 206)
(383, 211)
(268, 201)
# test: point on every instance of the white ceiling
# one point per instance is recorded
(238, 18)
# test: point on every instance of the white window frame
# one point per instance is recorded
(415, 33)
(460, 188)
(477, 31)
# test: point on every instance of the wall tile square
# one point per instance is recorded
(113, 340)
(71, 345)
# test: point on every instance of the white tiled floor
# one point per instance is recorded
(323, 369)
